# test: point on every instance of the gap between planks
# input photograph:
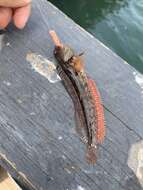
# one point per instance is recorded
(6, 181)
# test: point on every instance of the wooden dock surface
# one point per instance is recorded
(38, 144)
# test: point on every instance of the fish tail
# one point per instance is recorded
(91, 155)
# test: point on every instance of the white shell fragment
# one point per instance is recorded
(43, 66)
(135, 160)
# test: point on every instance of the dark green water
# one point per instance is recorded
(117, 23)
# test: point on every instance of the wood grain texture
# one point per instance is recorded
(38, 144)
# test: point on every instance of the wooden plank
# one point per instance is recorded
(41, 149)
(6, 181)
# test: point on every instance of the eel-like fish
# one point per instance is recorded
(89, 113)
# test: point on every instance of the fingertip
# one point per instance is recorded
(21, 16)
(5, 17)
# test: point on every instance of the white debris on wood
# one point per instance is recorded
(32, 113)
(7, 83)
(140, 164)
(125, 62)
(8, 44)
(79, 187)
(63, 156)
(139, 80)
(43, 66)
(135, 160)
(60, 137)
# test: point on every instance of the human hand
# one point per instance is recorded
(16, 10)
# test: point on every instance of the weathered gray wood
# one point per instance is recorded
(38, 144)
